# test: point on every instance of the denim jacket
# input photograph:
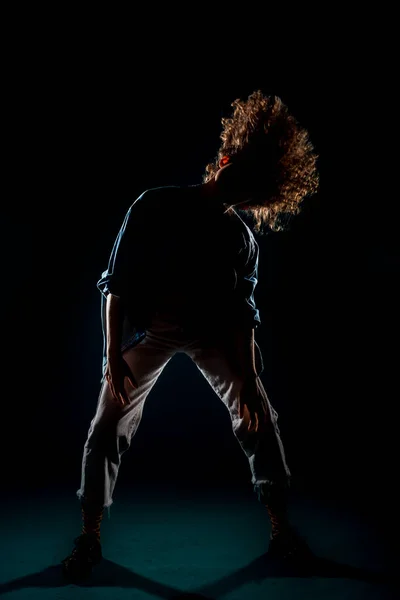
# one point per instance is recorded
(128, 268)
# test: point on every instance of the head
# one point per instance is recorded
(266, 163)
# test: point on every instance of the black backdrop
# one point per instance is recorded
(89, 133)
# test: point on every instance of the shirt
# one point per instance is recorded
(179, 251)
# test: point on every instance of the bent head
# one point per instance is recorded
(241, 182)
(266, 163)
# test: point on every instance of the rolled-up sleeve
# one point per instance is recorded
(124, 258)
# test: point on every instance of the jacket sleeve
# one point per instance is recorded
(125, 259)
(247, 279)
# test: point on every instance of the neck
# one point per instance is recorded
(216, 194)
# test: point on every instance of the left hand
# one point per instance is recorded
(252, 396)
(116, 372)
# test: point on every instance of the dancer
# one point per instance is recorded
(181, 278)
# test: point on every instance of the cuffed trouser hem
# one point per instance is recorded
(268, 491)
(83, 498)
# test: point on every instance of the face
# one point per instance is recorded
(233, 180)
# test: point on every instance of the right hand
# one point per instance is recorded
(252, 395)
(116, 372)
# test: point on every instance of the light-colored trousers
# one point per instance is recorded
(112, 428)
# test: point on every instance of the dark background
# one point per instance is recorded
(91, 127)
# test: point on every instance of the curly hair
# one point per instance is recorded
(262, 133)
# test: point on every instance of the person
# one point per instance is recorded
(181, 278)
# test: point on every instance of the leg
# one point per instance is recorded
(113, 427)
(263, 449)
(110, 435)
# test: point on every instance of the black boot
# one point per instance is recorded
(289, 545)
(86, 554)
(285, 542)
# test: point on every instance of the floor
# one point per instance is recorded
(164, 541)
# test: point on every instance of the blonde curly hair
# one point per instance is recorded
(262, 134)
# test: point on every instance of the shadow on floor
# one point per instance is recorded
(111, 574)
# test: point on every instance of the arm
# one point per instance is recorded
(248, 314)
(114, 320)
(115, 286)
(117, 369)
(244, 347)
(251, 393)
(125, 259)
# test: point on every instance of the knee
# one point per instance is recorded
(99, 435)
(107, 441)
